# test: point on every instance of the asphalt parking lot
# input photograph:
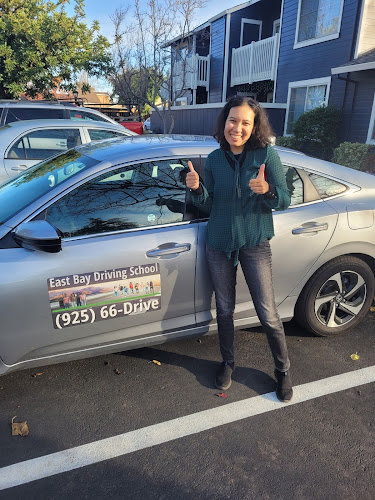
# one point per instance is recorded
(129, 427)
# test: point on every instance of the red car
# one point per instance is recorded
(135, 126)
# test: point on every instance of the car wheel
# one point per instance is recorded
(337, 297)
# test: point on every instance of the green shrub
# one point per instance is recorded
(316, 132)
(354, 154)
(286, 142)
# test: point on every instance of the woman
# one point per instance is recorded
(244, 181)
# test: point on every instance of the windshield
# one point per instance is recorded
(38, 180)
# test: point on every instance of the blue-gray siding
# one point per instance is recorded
(202, 121)
(313, 61)
(217, 59)
(357, 103)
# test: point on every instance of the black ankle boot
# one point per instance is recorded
(223, 378)
(284, 390)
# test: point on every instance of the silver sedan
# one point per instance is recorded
(101, 250)
(25, 143)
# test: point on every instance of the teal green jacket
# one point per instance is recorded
(239, 218)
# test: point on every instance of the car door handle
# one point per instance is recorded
(168, 250)
(19, 168)
(310, 227)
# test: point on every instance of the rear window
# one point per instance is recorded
(38, 180)
(33, 113)
(80, 114)
(326, 187)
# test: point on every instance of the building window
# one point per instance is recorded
(318, 21)
(304, 96)
(251, 31)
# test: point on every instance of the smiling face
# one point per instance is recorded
(238, 127)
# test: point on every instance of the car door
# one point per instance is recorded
(125, 272)
(37, 145)
(302, 232)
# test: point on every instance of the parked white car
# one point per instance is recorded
(25, 143)
(147, 125)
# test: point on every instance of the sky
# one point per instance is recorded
(100, 10)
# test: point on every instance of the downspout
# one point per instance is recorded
(195, 66)
(226, 59)
(278, 52)
(347, 80)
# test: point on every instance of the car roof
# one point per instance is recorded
(23, 125)
(146, 147)
(54, 104)
(23, 104)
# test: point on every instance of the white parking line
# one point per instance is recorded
(88, 454)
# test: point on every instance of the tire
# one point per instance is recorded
(337, 297)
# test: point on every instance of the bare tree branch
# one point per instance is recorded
(142, 54)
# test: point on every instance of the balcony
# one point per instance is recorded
(197, 73)
(255, 62)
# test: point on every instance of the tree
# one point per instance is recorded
(41, 47)
(142, 55)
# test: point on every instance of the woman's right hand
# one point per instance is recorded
(192, 178)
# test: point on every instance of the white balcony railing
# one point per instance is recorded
(254, 62)
(190, 74)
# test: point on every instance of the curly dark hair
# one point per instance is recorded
(262, 132)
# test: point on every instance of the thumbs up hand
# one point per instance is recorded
(192, 178)
(259, 185)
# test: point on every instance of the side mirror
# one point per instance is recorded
(38, 235)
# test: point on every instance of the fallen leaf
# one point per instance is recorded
(221, 395)
(354, 357)
(155, 361)
(372, 309)
(37, 374)
(117, 371)
(19, 429)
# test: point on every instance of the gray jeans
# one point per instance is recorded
(256, 263)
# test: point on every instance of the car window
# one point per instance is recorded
(294, 184)
(98, 135)
(326, 187)
(19, 192)
(42, 144)
(33, 113)
(80, 114)
(144, 195)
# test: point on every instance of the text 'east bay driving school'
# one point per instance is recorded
(76, 299)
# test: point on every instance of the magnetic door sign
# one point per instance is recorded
(77, 299)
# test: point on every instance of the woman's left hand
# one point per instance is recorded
(259, 185)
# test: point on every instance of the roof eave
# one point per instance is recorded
(350, 68)
(212, 19)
